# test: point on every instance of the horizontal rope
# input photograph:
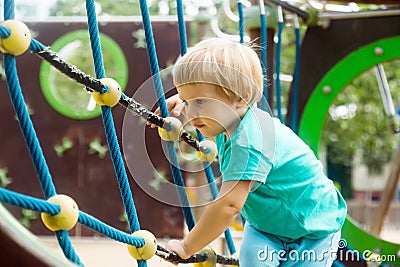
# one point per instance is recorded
(4, 32)
(28, 202)
(39, 205)
(109, 231)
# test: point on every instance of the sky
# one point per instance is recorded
(38, 8)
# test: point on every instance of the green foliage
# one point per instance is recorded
(112, 8)
(365, 129)
(68, 8)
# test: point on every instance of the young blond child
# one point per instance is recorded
(270, 176)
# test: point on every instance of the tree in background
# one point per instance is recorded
(357, 123)
(114, 8)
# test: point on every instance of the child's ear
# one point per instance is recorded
(241, 103)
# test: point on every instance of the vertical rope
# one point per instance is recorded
(65, 243)
(27, 127)
(241, 21)
(263, 55)
(30, 136)
(296, 78)
(9, 9)
(278, 65)
(95, 39)
(159, 91)
(108, 123)
(181, 27)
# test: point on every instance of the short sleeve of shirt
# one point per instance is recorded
(244, 163)
(248, 153)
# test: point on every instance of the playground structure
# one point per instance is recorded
(311, 110)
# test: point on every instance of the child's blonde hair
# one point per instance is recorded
(233, 67)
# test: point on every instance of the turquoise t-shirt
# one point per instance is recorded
(291, 196)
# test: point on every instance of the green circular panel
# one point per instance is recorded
(69, 97)
(316, 110)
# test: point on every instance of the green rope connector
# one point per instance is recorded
(96, 147)
(66, 144)
(4, 179)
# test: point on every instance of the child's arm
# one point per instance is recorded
(215, 219)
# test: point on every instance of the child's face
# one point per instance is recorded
(207, 111)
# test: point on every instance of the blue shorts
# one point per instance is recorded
(260, 249)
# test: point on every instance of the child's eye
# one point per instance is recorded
(200, 101)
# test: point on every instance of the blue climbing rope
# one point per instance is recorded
(181, 27)
(27, 128)
(9, 9)
(159, 91)
(27, 202)
(263, 55)
(40, 205)
(241, 22)
(108, 122)
(95, 39)
(109, 231)
(278, 65)
(4, 32)
(36, 46)
(296, 78)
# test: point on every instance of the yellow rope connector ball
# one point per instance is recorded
(112, 96)
(18, 41)
(66, 218)
(210, 155)
(211, 260)
(148, 250)
(172, 134)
